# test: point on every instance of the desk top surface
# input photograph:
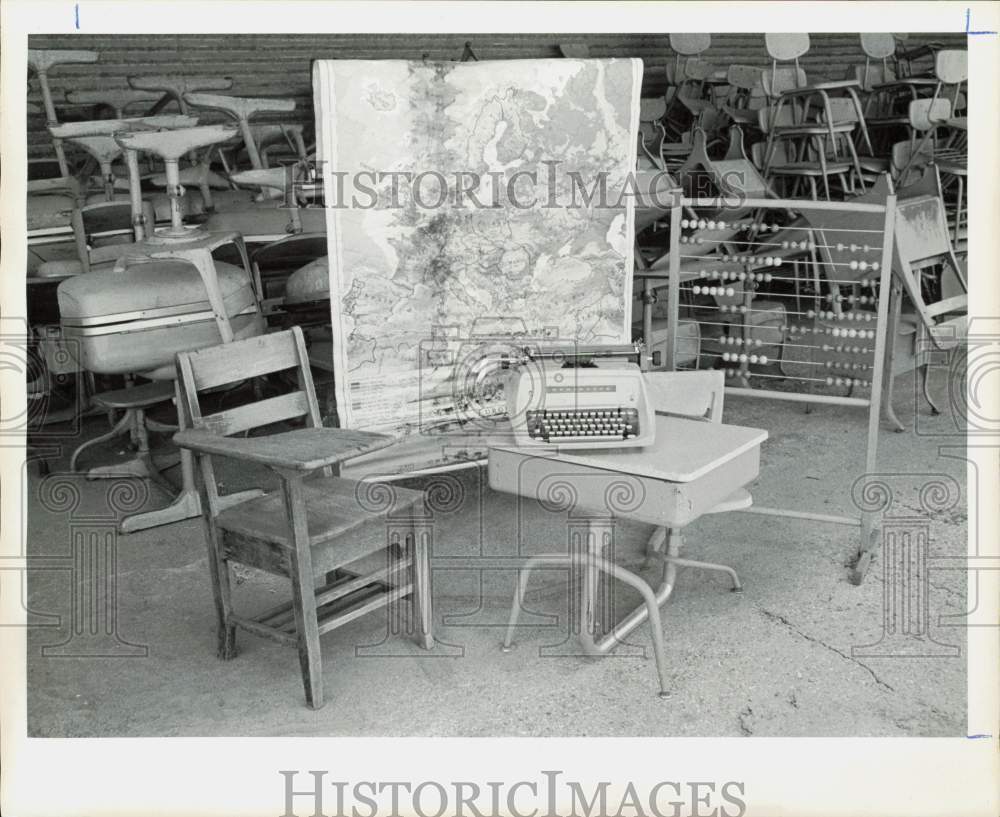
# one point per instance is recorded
(685, 449)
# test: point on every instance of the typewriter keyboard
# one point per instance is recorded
(583, 424)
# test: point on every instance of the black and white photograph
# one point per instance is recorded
(478, 380)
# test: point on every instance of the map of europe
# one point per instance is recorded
(463, 195)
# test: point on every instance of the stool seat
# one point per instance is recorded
(273, 177)
(106, 127)
(241, 107)
(42, 60)
(172, 144)
(142, 396)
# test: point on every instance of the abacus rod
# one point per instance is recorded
(797, 398)
(796, 205)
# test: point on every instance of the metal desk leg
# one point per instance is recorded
(562, 559)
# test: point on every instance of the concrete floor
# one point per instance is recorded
(774, 660)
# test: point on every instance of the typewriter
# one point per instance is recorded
(569, 406)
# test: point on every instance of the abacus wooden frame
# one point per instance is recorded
(868, 522)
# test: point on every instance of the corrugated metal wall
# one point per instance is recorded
(279, 64)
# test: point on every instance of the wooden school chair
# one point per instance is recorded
(301, 531)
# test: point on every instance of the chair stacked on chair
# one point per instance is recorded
(166, 294)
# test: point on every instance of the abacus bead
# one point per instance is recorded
(721, 225)
(725, 357)
(829, 381)
(853, 265)
(743, 358)
(702, 224)
(811, 313)
(730, 291)
(862, 265)
(699, 240)
(696, 290)
(840, 246)
(874, 265)
(743, 309)
(685, 223)
(784, 245)
(711, 225)
(762, 359)
(753, 358)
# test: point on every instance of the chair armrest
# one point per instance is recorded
(306, 449)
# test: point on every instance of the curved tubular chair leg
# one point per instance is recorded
(116, 430)
(925, 377)
(650, 610)
(522, 584)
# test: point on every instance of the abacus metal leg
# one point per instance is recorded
(561, 559)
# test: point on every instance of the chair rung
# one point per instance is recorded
(255, 627)
(283, 613)
(338, 618)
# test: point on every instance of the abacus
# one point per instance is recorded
(788, 295)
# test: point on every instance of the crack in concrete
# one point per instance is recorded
(782, 620)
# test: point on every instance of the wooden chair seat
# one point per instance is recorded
(334, 506)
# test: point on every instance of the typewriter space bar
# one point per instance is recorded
(586, 438)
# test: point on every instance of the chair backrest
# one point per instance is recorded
(209, 368)
(690, 44)
(785, 46)
(841, 110)
(878, 45)
(929, 113)
(215, 366)
(698, 394)
(951, 66)
(782, 78)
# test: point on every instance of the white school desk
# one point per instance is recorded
(692, 468)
